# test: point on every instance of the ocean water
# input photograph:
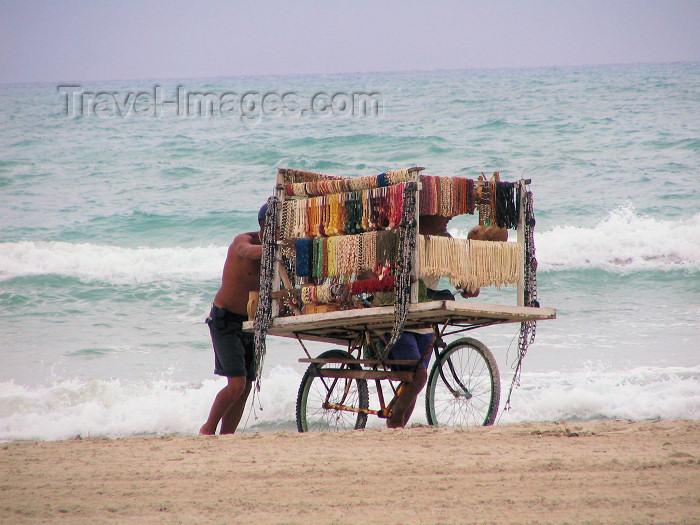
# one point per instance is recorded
(115, 225)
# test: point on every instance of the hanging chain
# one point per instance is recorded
(527, 328)
(263, 315)
(404, 263)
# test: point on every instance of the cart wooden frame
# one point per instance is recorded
(463, 386)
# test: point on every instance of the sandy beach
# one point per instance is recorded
(606, 472)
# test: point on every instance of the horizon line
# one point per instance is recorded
(344, 73)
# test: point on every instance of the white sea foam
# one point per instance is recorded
(624, 241)
(115, 408)
(638, 394)
(91, 408)
(112, 264)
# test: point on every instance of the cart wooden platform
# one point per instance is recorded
(463, 386)
(343, 327)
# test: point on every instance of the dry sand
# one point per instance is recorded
(611, 472)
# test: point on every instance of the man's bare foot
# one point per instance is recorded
(206, 431)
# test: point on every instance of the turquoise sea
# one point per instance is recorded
(116, 218)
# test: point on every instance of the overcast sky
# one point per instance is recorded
(54, 41)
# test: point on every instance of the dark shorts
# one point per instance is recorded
(410, 346)
(234, 349)
(439, 295)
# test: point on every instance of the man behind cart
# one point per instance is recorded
(414, 343)
(234, 350)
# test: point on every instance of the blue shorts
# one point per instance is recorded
(410, 345)
(234, 349)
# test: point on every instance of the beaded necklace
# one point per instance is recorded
(304, 257)
(427, 195)
(286, 218)
(365, 211)
(484, 198)
(386, 248)
(407, 247)
(398, 176)
(376, 208)
(331, 265)
(300, 183)
(384, 208)
(318, 258)
(346, 250)
(324, 257)
(354, 214)
(457, 202)
(470, 201)
(299, 210)
(356, 254)
(318, 219)
(263, 315)
(341, 218)
(359, 254)
(396, 204)
(321, 293)
(325, 216)
(312, 222)
(306, 294)
(456, 194)
(333, 214)
(294, 219)
(350, 225)
(369, 251)
(367, 286)
(446, 196)
(507, 207)
(338, 213)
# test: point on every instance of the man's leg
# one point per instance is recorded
(223, 402)
(229, 423)
(403, 408)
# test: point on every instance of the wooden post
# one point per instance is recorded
(521, 242)
(279, 193)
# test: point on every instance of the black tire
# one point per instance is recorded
(313, 391)
(468, 391)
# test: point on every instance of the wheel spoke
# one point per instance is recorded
(316, 393)
(468, 389)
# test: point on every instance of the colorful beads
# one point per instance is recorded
(327, 185)
(343, 213)
(344, 256)
(446, 196)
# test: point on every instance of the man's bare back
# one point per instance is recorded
(488, 233)
(241, 273)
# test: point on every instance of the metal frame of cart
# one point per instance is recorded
(463, 385)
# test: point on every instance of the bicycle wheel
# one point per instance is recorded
(464, 386)
(315, 392)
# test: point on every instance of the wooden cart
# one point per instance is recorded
(463, 385)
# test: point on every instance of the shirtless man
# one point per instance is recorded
(234, 350)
